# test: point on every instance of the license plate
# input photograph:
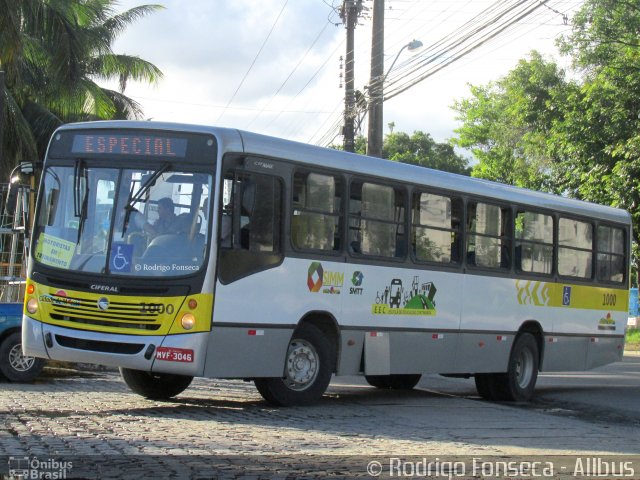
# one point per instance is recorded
(170, 354)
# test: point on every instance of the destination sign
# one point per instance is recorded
(130, 145)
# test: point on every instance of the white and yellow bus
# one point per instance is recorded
(175, 251)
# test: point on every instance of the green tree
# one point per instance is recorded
(421, 149)
(507, 124)
(580, 138)
(601, 138)
(418, 148)
(54, 53)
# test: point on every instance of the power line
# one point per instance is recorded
(213, 105)
(451, 40)
(254, 61)
(335, 127)
(288, 76)
(331, 55)
(481, 30)
(460, 47)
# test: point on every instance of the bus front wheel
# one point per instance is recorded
(14, 366)
(307, 370)
(155, 386)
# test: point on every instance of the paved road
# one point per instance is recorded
(224, 426)
(609, 394)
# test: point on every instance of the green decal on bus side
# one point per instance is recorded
(395, 299)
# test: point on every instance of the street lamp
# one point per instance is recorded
(412, 46)
(376, 97)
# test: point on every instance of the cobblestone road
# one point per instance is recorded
(95, 417)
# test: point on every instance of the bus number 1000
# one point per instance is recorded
(609, 299)
(156, 308)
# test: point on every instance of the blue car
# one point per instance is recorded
(14, 366)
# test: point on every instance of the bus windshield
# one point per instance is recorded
(119, 221)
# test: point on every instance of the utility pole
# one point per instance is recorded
(376, 90)
(2, 102)
(349, 13)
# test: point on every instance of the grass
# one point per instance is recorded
(633, 338)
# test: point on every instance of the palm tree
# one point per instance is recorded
(54, 52)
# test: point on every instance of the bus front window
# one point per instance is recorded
(72, 227)
(132, 222)
(161, 223)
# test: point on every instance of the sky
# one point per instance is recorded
(274, 66)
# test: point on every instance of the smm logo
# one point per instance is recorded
(315, 276)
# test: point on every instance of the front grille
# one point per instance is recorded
(105, 323)
(118, 315)
(99, 346)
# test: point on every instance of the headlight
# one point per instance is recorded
(32, 305)
(188, 321)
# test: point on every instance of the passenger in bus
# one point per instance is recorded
(166, 219)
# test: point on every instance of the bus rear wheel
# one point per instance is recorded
(307, 371)
(155, 386)
(393, 382)
(518, 383)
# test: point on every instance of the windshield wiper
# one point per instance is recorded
(80, 195)
(135, 198)
(79, 172)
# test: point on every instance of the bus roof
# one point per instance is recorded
(258, 144)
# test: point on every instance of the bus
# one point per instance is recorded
(177, 251)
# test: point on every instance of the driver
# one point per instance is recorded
(166, 219)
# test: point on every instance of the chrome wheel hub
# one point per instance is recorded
(302, 365)
(524, 368)
(18, 361)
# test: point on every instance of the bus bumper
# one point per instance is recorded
(179, 354)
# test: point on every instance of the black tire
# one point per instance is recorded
(155, 386)
(14, 366)
(394, 382)
(486, 385)
(519, 382)
(309, 364)
(379, 381)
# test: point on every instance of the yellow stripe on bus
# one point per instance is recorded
(548, 294)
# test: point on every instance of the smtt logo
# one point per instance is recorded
(314, 278)
(356, 280)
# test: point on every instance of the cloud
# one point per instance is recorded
(206, 47)
(216, 42)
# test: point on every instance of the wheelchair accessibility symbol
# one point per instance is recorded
(121, 255)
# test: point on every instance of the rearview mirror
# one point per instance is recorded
(11, 202)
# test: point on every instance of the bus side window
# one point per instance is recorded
(436, 228)
(534, 242)
(317, 207)
(488, 238)
(250, 225)
(611, 254)
(260, 214)
(575, 248)
(376, 220)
